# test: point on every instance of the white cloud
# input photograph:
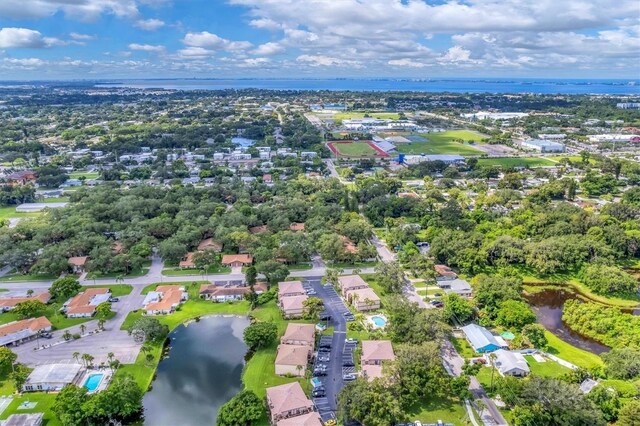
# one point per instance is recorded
(269, 49)
(25, 38)
(322, 60)
(81, 9)
(213, 42)
(456, 54)
(81, 37)
(406, 63)
(25, 63)
(149, 24)
(147, 48)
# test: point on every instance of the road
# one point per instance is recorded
(333, 383)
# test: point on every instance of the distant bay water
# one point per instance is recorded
(502, 85)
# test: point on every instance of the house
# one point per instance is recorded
(237, 260)
(292, 360)
(228, 293)
(164, 300)
(457, 286)
(31, 419)
(78, 263)
(267, 178)
(310, 419)
(9, 299)
(375, 352)
(255, 230)
(187, 261)
(52, 377)
(295, 227)
(364, 299)
(481, 339)
(22, 178)
(290, 288)
(511, 363)
(444, 273)
(84, 304)
(287, 401)
(210, 244)
(293, 306)
(299, 334)
(24, 330)
(351, 282)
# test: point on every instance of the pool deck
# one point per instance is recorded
(107, 375)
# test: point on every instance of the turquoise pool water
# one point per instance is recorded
(93, 381)
(379, 321)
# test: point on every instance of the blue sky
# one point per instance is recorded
(47, 39)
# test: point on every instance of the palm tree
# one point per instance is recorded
(88, 359)
(299, 368)
(101, 324)
(76, 356)
(66, 335)
(29, 292)
(110, 356)
(83, 328)
(492, 359)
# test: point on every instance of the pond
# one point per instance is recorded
(548, 304)
(202, 371)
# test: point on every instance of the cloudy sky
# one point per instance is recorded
(46, 39)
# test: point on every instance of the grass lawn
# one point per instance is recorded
(448, 410)
(516, 162)
(87, 175)
(117, 290)
(300, 267)
(133, 274)
(352, 265)
(444, 143)
(178, 272)
(43, 401)
(355, 149)
(354, 114)
(546, 369)
(143, 370)
(10, 212)
(484, 377)
(570, 353)
(464, 348)
(27, 277)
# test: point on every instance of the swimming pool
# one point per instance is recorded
(93, 381)
(379, 321)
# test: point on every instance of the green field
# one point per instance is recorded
(434, 409)
(546, 369)
(10, 212)
(356, 149)
(87, 175)
(444, 143)
(516, 162)
(14, 277)
(355, 114)
(178, 272)
(574, 355)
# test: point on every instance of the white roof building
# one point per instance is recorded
(511, 363)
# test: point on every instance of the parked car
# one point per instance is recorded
(320, 372)
(324, 349)
(348, 363)
(418, 423)
(347, 377)
(47, 335)
(352, 340)
(113, 299)
(437, 303)
(325, 317)
(324, 357)
(318, 393)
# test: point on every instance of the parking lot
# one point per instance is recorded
(331, 346)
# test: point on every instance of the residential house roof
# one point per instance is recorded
(258, 229)
(210, 244)
(54, 373)
(285, 398)
(187, 261)
(296, 227)
(362, 294)
(293, 355)
(351, 281)
(507, 361)
(24, 419)
(372, 371)
(22, 329)
(78, 260)
(170, 296)
(86, 302)
(309, 419)
(292, 303)
(299, 332)
(444, 271)
(12, 300)
(227, 259)
(290, 287)
(377, 350)
(479, 337)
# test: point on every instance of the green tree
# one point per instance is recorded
(607, 400)
(7, 358)
(456, 309)
(370, 403)
(514, 313)
(251, 275)
(29, 309)
(273, 271)
(390, 276)
(149, 329)
(19, 375)
(103, 310)
(64, 288)
(260, 334)
(534, 335)
(242, 410)
(622, 363)
(609, 280)
(120, 401)
(629, 414)
(312, 307)
(68, 405)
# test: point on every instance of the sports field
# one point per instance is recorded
(516, 162)
(444, 143)
(355, 149)
(355, 114)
